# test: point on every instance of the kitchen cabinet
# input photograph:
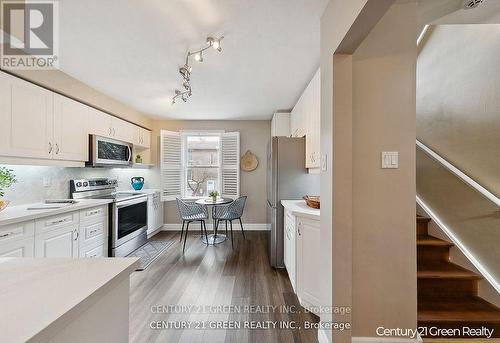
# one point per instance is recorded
(289, 247)
(123, 130)
(142, 138)
(302, 250)
(313, 155)
(81, 233)
(39, 124)
(62, 242)
(71, 122)
(305, 121)
(308, 257)
(280, 125)
(27, 117)
(106, 125)
(17, 248)
(155, 213)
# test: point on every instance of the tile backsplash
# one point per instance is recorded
(30, 181)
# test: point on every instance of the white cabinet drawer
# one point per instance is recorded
(54, 222)
(94, 212)
(13, 232)
(93, 251)
(18, 248)
(93, 232)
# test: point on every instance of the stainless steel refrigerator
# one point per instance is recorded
(287, 179)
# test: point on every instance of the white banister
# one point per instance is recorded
(487, 194)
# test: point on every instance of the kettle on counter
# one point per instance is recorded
(137, 183)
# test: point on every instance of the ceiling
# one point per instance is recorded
(131, 51)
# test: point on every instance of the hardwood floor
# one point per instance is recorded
(215, 276)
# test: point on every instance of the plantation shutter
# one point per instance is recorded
(231, 164)
(171, 165)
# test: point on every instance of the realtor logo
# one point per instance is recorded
(30, 34)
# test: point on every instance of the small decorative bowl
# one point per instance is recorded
(3, 204)
(312, 201)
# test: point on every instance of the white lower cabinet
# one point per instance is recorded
(155, 213)
(302, 255)
(73, 234)
(308, 258)
(19, 248)
(62, 242)
(93, 251)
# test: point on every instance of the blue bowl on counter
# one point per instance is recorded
(137, 183)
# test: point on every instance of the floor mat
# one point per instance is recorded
(150, 251)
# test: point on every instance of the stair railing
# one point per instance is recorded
(483, 191)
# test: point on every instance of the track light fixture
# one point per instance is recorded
(186, 69)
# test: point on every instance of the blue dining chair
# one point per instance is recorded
(228, 213)
(191, 212)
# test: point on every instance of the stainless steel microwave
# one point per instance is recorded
(106, 152)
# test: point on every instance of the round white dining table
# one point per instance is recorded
(214, 238)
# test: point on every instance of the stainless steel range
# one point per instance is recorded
(128, 214)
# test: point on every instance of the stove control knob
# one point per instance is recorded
(78, 184)
(85, 184)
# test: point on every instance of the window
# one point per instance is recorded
(194, 163)
(202, 168)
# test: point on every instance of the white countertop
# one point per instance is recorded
(39, 295)
(20, 213)
(300, 208)
(144, 190)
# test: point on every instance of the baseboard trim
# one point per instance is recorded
(383, 340)
(236, 226)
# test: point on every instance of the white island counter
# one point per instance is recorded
(65, 300)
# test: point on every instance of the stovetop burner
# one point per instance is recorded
(100, 188)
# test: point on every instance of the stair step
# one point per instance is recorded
(463, 309)
(444, 270)
(426, 240)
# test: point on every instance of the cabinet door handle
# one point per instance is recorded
(50, 148)
(114, 132)
(56, 222)
(91, 213)
(7, 234)
(57, 148)
(110, 132)
(77, 234)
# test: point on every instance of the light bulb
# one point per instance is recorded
(198, 57)
(216, 44)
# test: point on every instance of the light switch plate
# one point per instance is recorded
(324, 165)
(390, 160)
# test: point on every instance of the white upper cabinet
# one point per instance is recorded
(305, 121)
(27, 119)
(40, 125)
(71, 122)
(142, 138)
(100, 123)
(313, 155)
(280, 125)
(123, 130)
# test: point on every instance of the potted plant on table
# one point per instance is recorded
(213, 195)
(7, 179)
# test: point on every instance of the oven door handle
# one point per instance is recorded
(130, 202)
